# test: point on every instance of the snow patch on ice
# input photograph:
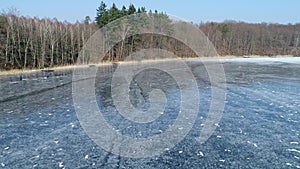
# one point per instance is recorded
(86, 157)
(293, 150)
(266, 60)
(291, 120)
(254, 144)
(288, 164)
(72, 125)
(200, 153)
(60, 165)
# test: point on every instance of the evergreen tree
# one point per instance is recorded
(102, 17)
(124, 11)
(131, 9)
(114, 13)
(87, 20)
(143, 10)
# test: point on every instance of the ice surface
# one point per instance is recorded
(259, 127)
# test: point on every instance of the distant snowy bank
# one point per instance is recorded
(295, 60)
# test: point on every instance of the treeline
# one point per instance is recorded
(39, 43)
(239, 38)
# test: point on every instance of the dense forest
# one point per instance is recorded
(38, 43)
(240, 39)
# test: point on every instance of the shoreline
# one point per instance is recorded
(68, 67)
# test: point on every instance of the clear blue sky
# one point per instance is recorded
(257, 11)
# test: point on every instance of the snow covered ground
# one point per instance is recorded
(258, 60)
(259, 128)
(295, 60)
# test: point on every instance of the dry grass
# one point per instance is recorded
(28, 71)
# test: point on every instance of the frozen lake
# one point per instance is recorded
(259, 128)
